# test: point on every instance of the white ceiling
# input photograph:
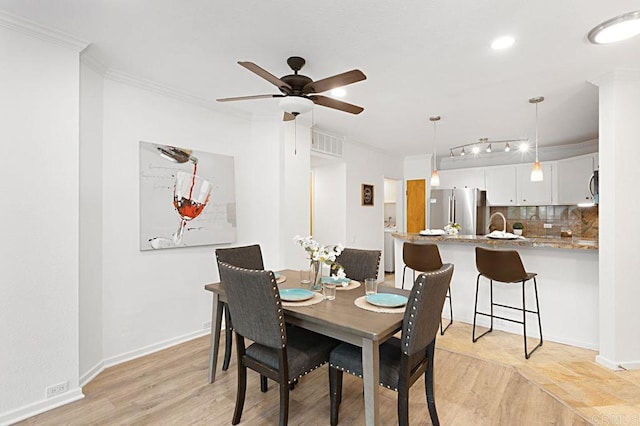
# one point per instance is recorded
(421, 57)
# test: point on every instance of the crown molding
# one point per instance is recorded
(93, 63)
(42, 32)
(172, 92)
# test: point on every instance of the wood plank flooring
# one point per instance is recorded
(486, 383)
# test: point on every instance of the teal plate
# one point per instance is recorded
(335, 280)
(276, 275)
(295, 294)
(386, 300)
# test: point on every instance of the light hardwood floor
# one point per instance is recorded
(486, 383)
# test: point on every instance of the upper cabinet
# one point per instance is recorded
(535, 193)
(501, 186)
(574, 175)
(462, 178)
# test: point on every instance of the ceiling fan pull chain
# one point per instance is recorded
(295, 137)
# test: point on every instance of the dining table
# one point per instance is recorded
(339, 318)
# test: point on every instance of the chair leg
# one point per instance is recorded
(442, 330)
(284, 404)
(264, 386)
(403, 271)
(403, 406)
(228, 338)
(335, 393)
(428, 385)
(240, 394)
(524, 318)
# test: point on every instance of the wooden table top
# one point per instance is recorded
(339, 318)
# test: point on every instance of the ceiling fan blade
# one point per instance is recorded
(266, 75)
(339, 80)
(336, 104)
(245, 98)
(288, 117)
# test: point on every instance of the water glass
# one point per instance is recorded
(305, 278)
(370, 286)
(329, 290)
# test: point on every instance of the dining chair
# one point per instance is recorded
(359, 264)
(248, 257)
(424, 258)
(404, 360)
(280, 352)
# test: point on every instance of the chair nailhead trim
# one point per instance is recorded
(360, 375)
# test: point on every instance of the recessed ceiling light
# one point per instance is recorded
(616, 29)
(338, 92)
(502, 42)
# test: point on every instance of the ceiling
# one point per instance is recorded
(421, 57)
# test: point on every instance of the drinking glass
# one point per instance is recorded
(190, 196)
(329, 290)
(305, 278)
(370, 286)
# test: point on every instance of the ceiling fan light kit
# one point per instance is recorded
(299, 93)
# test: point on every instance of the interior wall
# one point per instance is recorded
(330, 203)
(39, 182)
(365, 224)
(90, 254)
(156, 298)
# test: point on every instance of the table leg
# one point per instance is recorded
(371, 378)
(216, 324)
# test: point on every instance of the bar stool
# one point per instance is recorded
(505, 266)
(424, 258)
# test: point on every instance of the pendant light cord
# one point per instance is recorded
(435, 162)
(536, 132)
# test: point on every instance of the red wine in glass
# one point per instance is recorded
(190, 197)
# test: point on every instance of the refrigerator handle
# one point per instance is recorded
(453, 210)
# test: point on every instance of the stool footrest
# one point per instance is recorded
(515, 308)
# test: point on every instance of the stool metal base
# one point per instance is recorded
(523, 309)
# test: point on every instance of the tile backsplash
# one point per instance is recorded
(581, 221)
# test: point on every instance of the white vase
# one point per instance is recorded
(517, 231)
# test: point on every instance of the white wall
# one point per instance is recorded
(330, 203)
(90, 254)
(40, 189)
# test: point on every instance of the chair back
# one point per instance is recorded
(248, 257)
(254, 305)
(421, 257)
(424, 310)
(359, 264)
(500, 265)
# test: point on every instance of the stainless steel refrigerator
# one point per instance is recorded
(466, 206)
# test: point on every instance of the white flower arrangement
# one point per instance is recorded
(453, 228)
(323, 254)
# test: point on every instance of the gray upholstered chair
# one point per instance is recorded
(248, 257)
(404, 360)
(360, 264)
(424, 258)
(279, 352)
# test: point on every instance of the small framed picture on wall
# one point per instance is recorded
(367, 194)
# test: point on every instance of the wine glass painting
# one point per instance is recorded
(187, 197)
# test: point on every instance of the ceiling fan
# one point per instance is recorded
(299, 92)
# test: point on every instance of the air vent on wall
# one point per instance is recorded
(326, 143)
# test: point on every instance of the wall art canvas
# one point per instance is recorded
(367, 194)
(187, 197)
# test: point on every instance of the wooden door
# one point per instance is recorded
(416, 205)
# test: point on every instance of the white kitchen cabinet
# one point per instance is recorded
(573, 180)
(462, 178)
(535, 193)
(501, 186)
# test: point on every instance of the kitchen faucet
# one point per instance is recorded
(504, 220)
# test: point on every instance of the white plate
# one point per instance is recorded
(432, 232)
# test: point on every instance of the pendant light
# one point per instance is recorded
(435, 179)
(536, 170)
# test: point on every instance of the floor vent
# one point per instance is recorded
(326, 143)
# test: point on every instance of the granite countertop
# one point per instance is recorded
(549, 242)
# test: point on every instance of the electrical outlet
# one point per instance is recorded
(206, 325)
(55, 390)
(548, 226)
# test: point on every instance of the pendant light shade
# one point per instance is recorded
(435, 178)
(536, 170)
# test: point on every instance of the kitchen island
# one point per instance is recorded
(567, 271)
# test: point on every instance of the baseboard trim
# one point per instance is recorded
(41, 406)
(612, 365)
(91, 374)
(147, 350)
